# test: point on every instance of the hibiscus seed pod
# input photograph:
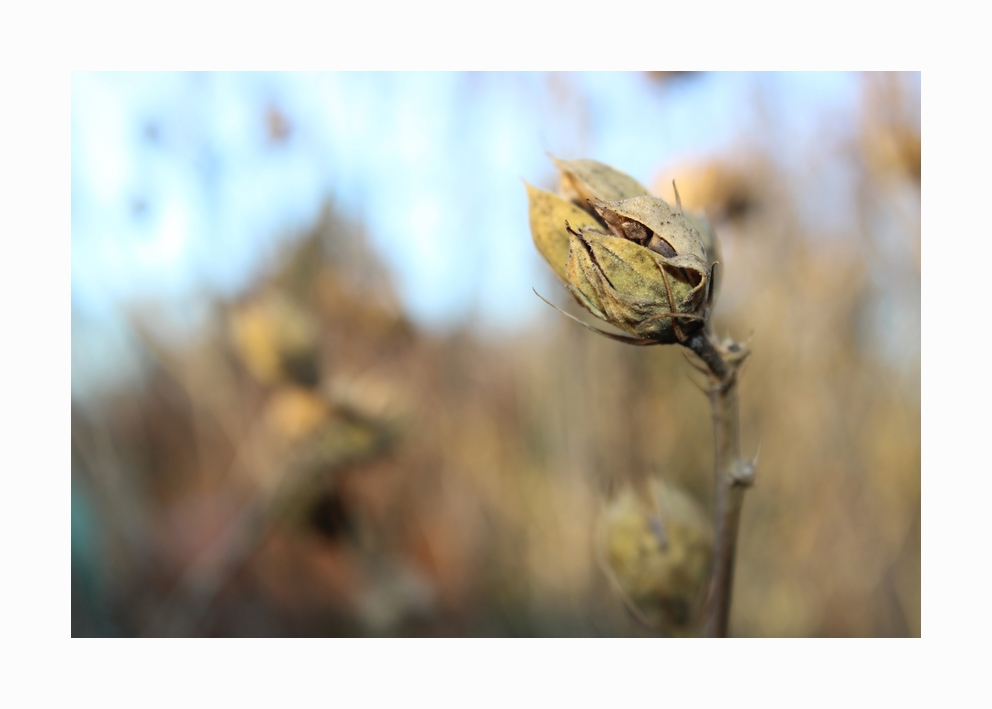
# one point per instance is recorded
(648, 277)
(656, 545)
(627, 257)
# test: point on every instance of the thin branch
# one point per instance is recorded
(702, 346)
(733, 474)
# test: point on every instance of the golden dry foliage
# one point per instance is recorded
(313, 465)
(835, 516)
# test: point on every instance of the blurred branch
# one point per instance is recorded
(340, 445)
(123, 508)
(733, 474)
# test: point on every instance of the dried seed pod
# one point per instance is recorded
(649, 277)
(627, 257)
(656, 546)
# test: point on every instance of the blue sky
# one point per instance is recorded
(178, 191)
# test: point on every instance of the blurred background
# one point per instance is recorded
(313, 392)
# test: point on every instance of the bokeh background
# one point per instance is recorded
(313, 392)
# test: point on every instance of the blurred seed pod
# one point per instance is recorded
(276, 340)
(655, 547)
(727, 190)
(372, 396)
(893, 150)
(293, 413)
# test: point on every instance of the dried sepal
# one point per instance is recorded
(548, 215)
(625, 284)
(582, 180)
(636, 341)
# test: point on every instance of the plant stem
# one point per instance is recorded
(733, 474)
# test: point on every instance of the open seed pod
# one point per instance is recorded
(627, 257)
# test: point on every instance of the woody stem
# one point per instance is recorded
(733, 474)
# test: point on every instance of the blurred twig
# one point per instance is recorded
(349, 441)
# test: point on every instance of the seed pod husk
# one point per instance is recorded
(624, 284)
(652, 218)
(712, 246)
(582, 180)
(548, 215)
